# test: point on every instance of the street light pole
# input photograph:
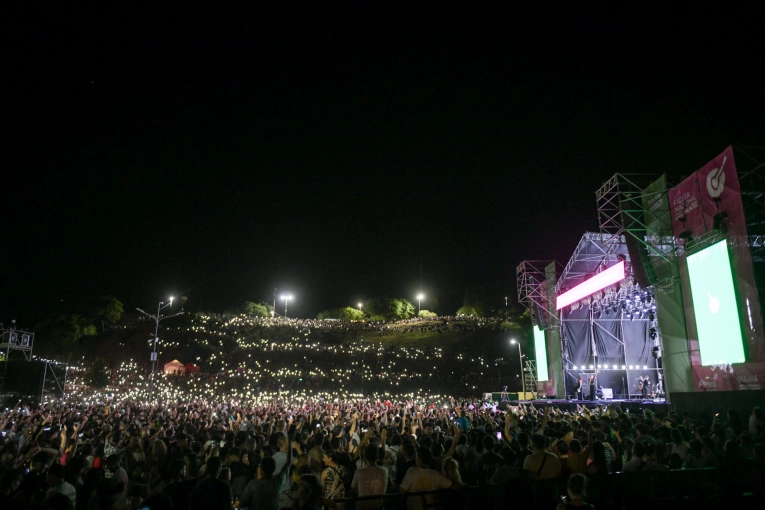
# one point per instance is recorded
(362, 368)
(157, 320)
(286, 300)
(520, 363)
(419, 303)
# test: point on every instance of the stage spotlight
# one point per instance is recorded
(591, 367)
(652, 333)
(645, 367)
(599, 366)
(631, 367)
(574, 367)
(624, 367)
(613, 366)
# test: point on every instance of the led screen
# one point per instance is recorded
(540, 348)
(714, 306)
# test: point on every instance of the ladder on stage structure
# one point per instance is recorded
(530, 378)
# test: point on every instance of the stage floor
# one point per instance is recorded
(633, 405)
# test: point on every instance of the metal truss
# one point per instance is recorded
(589, 255)
(532, 287)
(750, 163)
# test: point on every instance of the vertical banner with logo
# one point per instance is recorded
(710, 200)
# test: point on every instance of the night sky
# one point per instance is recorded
(333, 154)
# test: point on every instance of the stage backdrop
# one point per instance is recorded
(607, 341)
(711, 199)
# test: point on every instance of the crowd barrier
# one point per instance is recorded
(675, 490)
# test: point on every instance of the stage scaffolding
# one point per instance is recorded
(531, 281)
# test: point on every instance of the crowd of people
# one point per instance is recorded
(226, 453)
(247, 357)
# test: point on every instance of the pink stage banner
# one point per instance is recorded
(713, 189)
(739, 376)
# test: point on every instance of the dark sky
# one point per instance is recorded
(219, 154)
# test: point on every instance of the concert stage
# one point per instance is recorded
(633, 405)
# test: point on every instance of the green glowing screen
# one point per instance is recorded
(714, 306)
(540, 348)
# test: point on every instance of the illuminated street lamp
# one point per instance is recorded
(359, 305)
(419, 303)
(286, 299)
(157, 320)
(520, 363)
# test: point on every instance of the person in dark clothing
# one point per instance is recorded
(179, 487)
(309, 492)
(593, 385)
(211, 493)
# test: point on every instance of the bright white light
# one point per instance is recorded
(599, 366)
(419, 296)
(171, 299)
(645, 367)
(574, 367)
(624, 366)
(631, 367)
(359, 305)
(513, 341)
(591, 367)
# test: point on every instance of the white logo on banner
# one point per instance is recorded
(714, 304)
(716, 180)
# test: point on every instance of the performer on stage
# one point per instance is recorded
(593, 387)
(580, 388)
(643, 383)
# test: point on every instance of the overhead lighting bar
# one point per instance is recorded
(588, 287)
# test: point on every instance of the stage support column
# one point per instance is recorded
(556, 385)
(670, 313)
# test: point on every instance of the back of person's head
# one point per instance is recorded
(538, 441)
(642, 428)
(437, 449)
(509, 457)
(731, 449)
(175, 468)
(424, 456)
(57, 471)
(214, 465)
(562, 447)
(758, 450)
(638, 450)
(408, 450)
(282, 441)
(488, 443)
(370, 454)
(676, 436)
(575, 446)
(309, 488)
(523, 439)
(9, 479)
(268, 466)
(334, 443)
(576, 485)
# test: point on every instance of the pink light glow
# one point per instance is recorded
(599, 281)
